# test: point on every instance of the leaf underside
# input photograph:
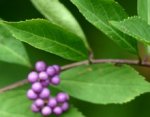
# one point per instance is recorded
(144, 10)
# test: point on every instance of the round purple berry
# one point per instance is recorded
(39, 103)
(45, 93)
(52, 102)
(62, 97)
(57, 68)
(40, 66)
(32, 77)
(43, 76)
(37, 87)
(31, 94)
(57, 110)
(46, 111)
(34, 108)
(45, 83)
(51, 71)
(55, 80)
(65, 106)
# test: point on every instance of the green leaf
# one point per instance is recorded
(144, 10)
(12, 50)
(135, 27)
(48, 37)
(99, 13)
(103, 83)
(144, 13)
(16, 104)
(58, 14)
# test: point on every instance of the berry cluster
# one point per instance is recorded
(40, 79)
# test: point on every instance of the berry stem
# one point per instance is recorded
(86, 62)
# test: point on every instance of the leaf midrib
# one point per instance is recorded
(100, 84)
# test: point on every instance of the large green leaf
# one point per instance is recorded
(135, 27)
(12, 50)
(58, 14)
(144, 10)
(103, 83)
(16, 104)
(48, 37)
(99, 13)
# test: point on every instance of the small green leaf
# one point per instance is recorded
(16, 104)
(12, 50)
(135, 27)
(103, 83)
(59, 15)
(99, 13)
(144, 10)
(48, 37)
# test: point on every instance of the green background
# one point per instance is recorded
(16, 10)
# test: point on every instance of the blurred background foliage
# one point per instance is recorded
(16, 10)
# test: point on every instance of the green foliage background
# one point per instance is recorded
(16, 10)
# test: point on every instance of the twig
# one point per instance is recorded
(74, 65)
(25, 81)
(121, 61)
(92, 61)
(14, 85)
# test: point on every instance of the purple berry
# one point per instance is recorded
(62, 97)
(52, 102)
(32, 77)
(57, 68)
(65, 106)
(37, 87)
(55, 80)
(45, 83)
(51, 71)
(46, 111)
(40, 66)
(57, 110)
(43, 76)
(45, 93)
(34, 108)
(39, 103)
(31, 94)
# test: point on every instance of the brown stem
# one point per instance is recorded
(65, 67)
(93, 61)
(122, 61)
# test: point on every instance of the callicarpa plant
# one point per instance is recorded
(54, 65)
